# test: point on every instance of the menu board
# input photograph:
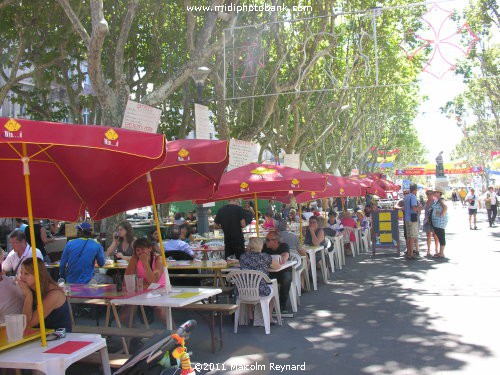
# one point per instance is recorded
(141, 117)
(202, 121)
(385, 230)
(241, 153)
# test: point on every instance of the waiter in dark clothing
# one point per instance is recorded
(274, 246)
(41, 238)
(231, 218)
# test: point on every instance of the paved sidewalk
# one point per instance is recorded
(382, 315)
(386, 315)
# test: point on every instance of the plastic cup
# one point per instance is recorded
(130, 283)
(140, 285)
(15, 326)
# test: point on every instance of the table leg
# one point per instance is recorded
(119, 325)
(312, 260)
(168, 317)
(106, 369)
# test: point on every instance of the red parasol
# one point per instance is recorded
(266, 180)
(336, 186)
(191, 171)
(65, 169)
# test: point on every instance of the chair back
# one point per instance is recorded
(178, 255)
(296, 257)
(247, 282)
(347, 233)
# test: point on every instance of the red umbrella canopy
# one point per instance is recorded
(71, 167)
(369, 182)
(191, 171)
(335, 187)
(266, 180)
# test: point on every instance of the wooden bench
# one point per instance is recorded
(122, 332)
(212, 309)
(115, 360)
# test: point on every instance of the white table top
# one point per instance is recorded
(31, 355)
(169, 300)
(309, 248)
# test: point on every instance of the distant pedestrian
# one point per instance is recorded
(439, 221)
(462, 193)
(411, 214)
(491, 205)
(427, 224)
(454, 198)
(471, 200)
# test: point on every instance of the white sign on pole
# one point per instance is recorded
(241, 153)
(141, 117)
(202, 121)
(292, 160)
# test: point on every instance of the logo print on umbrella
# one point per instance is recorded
(263, 173)
(295, 183)
(342, 191)
(244, 187)
(12, 129)
(183, 155)
(111, 138)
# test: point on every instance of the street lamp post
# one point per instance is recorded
(199, 77)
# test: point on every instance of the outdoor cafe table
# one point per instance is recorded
(178, 297)
(311, 252)
(209, 252)
(58, 355)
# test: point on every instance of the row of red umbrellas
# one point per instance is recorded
(68, 169)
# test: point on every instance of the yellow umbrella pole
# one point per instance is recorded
(300, 225)
(168, 286)
(256, 204)
(39, 303)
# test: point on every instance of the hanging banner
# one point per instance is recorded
(292, 160)
(141, 117)
(241, 153)
(202, 121)
(430, 169)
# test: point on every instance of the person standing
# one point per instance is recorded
(79, 256)
(41, 238)
(439, 221)
(427, 224)
(231, 218)
(411, 213)
(471, 199)
(462, 193)
(491, 205)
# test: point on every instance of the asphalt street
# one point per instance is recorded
(385, 315)
(381, 315)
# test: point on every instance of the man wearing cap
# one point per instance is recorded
(79, 256)
(20, 251)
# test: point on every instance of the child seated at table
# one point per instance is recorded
(55, 306)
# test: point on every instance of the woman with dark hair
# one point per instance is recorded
(55, 306)
(155, 240)
(123, 240)
(186, 235)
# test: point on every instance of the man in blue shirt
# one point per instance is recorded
(411, 215)
(79, 256)
(176, 244)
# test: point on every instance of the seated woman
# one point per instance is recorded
(255, 259)
(315, 236)
(269, 222)
(122, 242)
(186, 233)
(153, 237)
(146, 264)
(363, 222)
(55, 306)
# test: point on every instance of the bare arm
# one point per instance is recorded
(317, 239)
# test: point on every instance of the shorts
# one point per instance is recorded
(411, 229)
(472, 211)
(427, 228)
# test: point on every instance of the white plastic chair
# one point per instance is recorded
(247, 282)
(347, 238)
(332, 256)
(365, 240)
(338, 242)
